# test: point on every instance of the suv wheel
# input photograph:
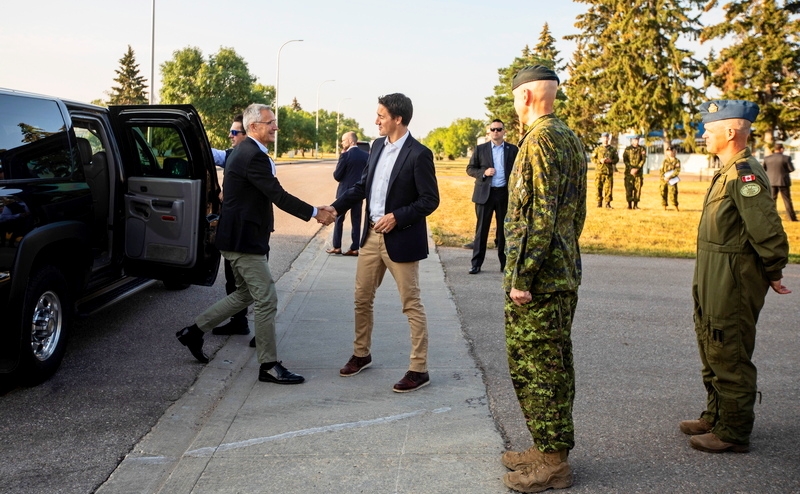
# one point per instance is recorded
(45, 319)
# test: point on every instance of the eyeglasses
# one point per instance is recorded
(270, 122)
(493, 129)
(235, 133)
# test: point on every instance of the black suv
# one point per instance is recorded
(95, 204)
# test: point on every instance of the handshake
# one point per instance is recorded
(325, 215)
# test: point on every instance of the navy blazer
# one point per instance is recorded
(246, 219)
(481, 161)
(413, 194)
(349, 168)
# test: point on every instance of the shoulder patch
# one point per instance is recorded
(748, 178)
(750, 190)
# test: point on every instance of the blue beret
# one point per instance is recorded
(723, 109)
(604, 134)
(533, 73)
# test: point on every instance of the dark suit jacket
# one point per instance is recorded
(412, 195)
(481, 161)
(349, 169)
(250, 189)
(778, 167)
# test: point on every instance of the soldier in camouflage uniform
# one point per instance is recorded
(741, 252)
(668, 173)
(546, 212)
(634, 157)
(604, 159)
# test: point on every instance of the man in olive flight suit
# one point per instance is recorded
(741, 251)
(604, 159)
(669, 178)
(634, 157)
(546, 212)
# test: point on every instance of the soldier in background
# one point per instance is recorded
(605, 159)
(741, 252)
(546, 212)
(669, 178)
(634, 157)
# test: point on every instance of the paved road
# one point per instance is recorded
(123, 368)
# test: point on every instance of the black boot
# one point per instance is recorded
(192, 338)
(629, 205)
(599, 204)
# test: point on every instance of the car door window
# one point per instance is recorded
(161, 152)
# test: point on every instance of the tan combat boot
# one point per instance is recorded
(695, 427)
(553, 472)
(517, 461)
(710, 443)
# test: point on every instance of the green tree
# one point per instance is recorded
(130, 88)
(219, 88)
(546, 49)
(435, 142)
(297, 130)
(456, 140)
(762, 64)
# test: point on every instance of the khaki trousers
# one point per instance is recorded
(254, 285)
(373, 261)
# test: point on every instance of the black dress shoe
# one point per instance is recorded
(278, 374)
(192, 338)
(475, 270)
(234, 326)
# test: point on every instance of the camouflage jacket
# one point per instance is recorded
(670, 165)
(546, 210)
(599, 156)
(634, 157)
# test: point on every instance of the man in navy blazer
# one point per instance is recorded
(246, 221)
(348, 171)
(491, 165)
(399, 185)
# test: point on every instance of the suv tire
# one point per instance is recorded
(46, 317)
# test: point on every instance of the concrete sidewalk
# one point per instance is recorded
(231, 433)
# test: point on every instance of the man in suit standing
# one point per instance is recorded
(778, 167)
(348, 171)
(246, 221)
(401, 191)
(491, 165)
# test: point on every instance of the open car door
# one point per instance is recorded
(171, 202)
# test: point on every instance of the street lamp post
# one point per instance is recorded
(152, 51)
(277, 83)
(316, 129)
(336, 145)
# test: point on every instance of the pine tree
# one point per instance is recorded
(546, 49)
(762, 64)
(131, 89)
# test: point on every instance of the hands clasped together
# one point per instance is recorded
(325, 215)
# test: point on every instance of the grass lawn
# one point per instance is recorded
(649, 231)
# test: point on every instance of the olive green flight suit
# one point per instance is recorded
(604, 172)
(634, 157)
(670, 165)
(741, 246)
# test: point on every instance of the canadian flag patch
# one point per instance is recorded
(748, 178)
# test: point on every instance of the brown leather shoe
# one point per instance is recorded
(351, 252)
(710, 443)
(412, 381)
(334, 251)
(695, 427)
(355, 365)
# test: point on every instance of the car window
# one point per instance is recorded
(34, 140)
(161, 152)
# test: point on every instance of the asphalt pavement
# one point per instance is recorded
(637, 376)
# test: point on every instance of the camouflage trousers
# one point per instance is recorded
(633, 187)
(539, 345)
(670, 191)
(604, 184)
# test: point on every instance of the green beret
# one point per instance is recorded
(533, 73)
(724, 109)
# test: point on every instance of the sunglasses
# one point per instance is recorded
(493, 129)
(235, 133)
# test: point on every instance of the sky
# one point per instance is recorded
(444, 55)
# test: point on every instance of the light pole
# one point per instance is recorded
(316, 129)
(336, 145)
(277, 83)
(152, 52)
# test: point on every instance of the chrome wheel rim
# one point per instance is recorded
(46, 325)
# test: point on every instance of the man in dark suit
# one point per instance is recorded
(400, 187)
(491, 165)
(250, 188)
(778, 167)
(348, 171)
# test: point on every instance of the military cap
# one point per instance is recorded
(636, 136)
(724, 109)
(533, 73)
(604, 134)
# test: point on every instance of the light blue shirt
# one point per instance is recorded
(499, 177)
(383, 171)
